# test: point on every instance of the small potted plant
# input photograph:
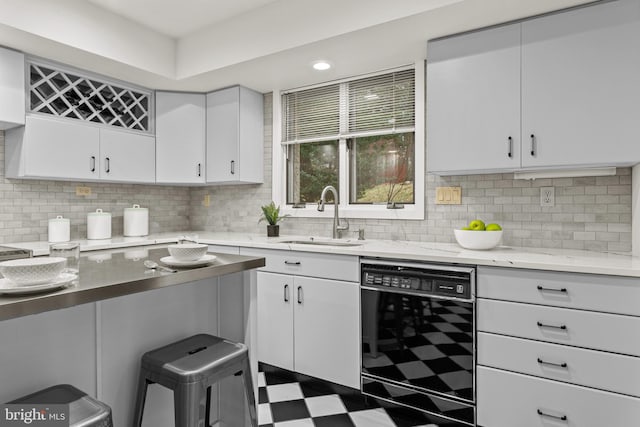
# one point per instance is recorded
(271, 214)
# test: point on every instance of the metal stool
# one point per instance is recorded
(190, 367)
(84, 411)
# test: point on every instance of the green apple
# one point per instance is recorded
(476, 225)
(493, 227)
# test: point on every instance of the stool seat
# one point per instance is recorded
(190, 367)
(84, 411)
(193, 359)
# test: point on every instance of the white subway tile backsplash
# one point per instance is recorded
(592, 213)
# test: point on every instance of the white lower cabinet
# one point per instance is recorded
(309, 313)
(310, 325)
(275, 319)
(507, 399)
(557, 349)
(590, 368)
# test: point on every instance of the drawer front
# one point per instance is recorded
(508, 400)
(606, 371)
(599, 331)
(584, 291)
(328, 266)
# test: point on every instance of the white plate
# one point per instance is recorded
(172, 262)
(9, 287)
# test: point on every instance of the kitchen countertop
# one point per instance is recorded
(117, 272)
(618, 264)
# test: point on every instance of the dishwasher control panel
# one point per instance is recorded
(422, 281)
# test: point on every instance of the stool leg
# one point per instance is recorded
(189, 403)
(248, 389)
(140, 399)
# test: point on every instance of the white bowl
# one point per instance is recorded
(33, 271)
(470, 239)
(188, 251)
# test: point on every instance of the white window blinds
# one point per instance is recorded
(311, 114)
(382, 104)
(376, 105)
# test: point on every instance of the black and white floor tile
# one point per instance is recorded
(292, 400)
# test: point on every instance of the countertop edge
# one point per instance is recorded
(560, 260)
(58, 301)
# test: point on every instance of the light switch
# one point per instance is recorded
(83, 191)
(448, 195)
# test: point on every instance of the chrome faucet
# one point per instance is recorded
(337, 228)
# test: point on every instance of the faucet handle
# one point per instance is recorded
(360, 232)
(342, 225)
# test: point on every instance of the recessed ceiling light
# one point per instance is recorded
(321, 65)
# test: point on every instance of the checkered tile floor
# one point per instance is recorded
(292, 400)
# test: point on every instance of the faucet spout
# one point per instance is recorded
(337, 228)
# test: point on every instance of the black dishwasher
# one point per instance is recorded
(418, 337)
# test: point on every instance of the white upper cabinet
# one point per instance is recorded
(581, 86)
(473, 101)
(180, 138)
(563, 87)
(235, 136)
(63, 149)
(49, 148)
(12, 89)
(127, 156)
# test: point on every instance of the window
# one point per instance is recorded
(359, 136)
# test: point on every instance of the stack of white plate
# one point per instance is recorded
(28, 275)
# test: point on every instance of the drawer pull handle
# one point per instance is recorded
(561, 418)
(543, 289)
(559, 365)
(292, 262)
(542, 325)
(286, 293)
(299, 294)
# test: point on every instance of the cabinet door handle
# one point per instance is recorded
(292, 262)
(233, 167)
(199, 169)
(107, 165)
(286, 293)
(299, 294)
(559, 365)
(533, 145)
(557, 417)
(543, 289)
(542, 325)
(93, 164)
(510, 148)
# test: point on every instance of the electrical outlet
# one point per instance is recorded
(83, 191)
(206, 201)
(547, 196)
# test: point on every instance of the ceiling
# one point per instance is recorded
(178, 18)
(267, 45)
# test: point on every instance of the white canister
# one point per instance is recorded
(136, 221)
(59, 229)
(98, 225)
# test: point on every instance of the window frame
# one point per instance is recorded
(415, 211)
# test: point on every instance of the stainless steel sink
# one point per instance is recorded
(321, 242)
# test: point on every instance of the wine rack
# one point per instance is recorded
(72, 95)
